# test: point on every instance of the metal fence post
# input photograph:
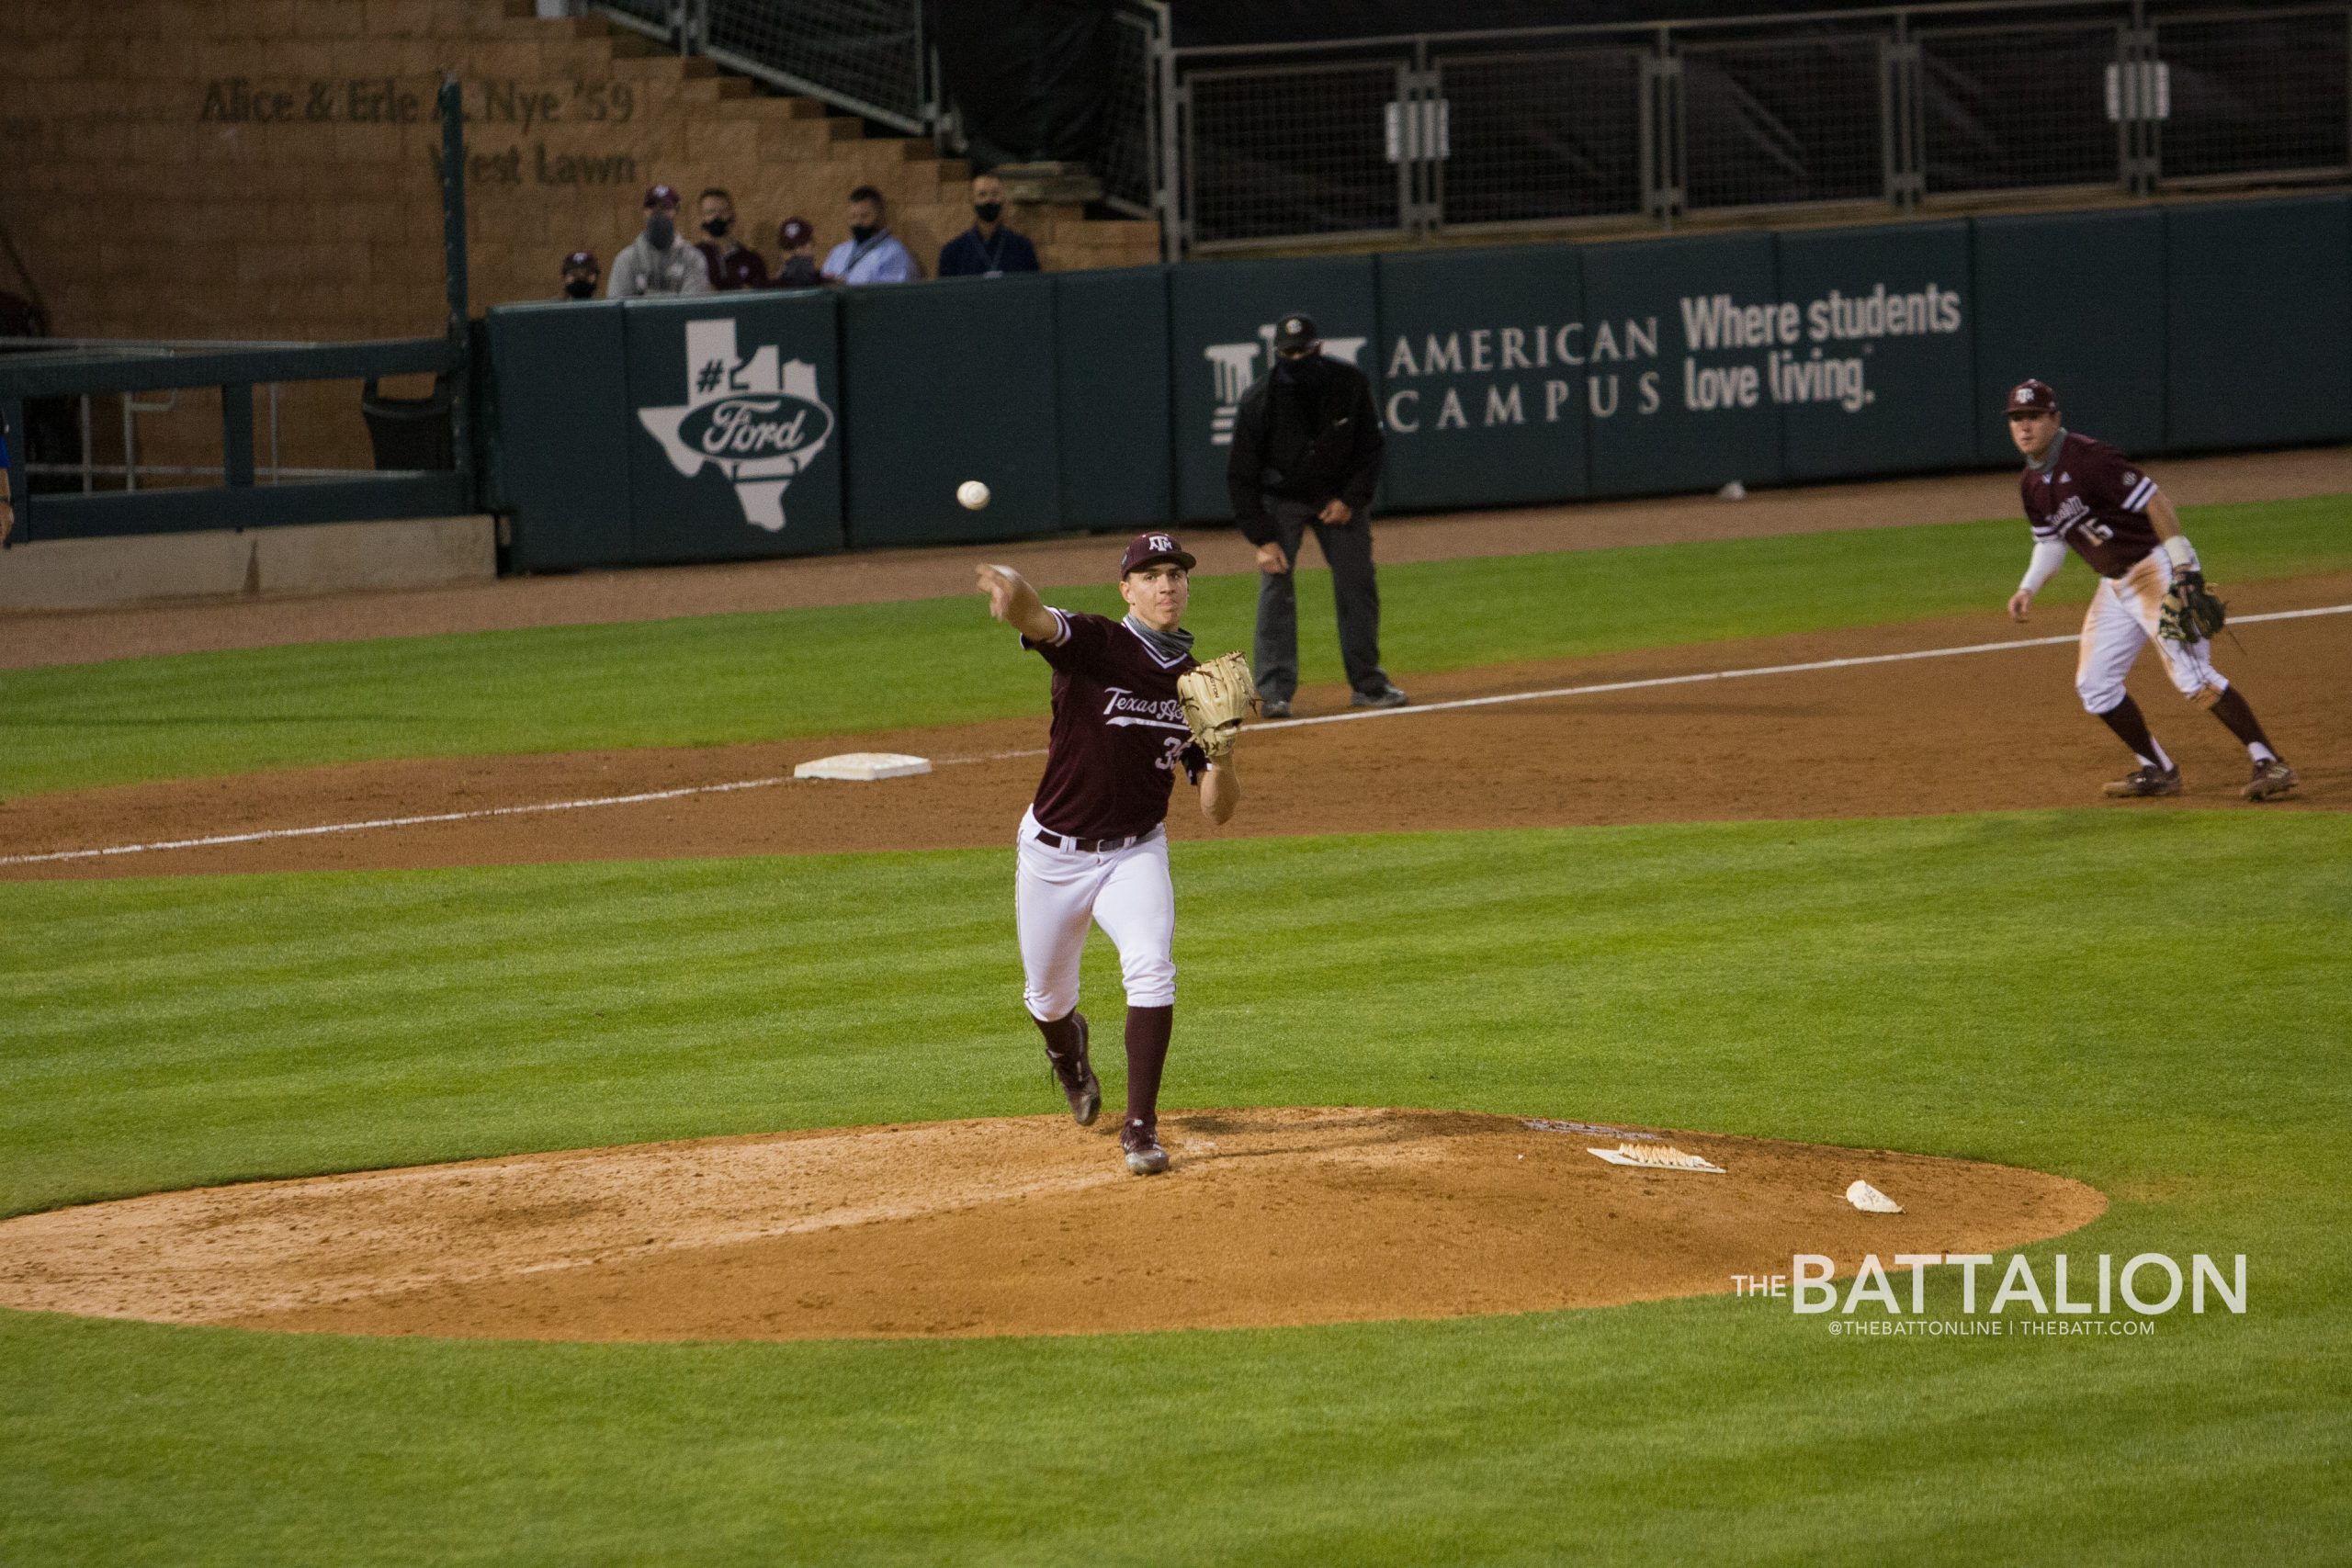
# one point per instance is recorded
(1165, 165)
(1662, 143)
(453, 264)
(1900, 137)
(1184, 164)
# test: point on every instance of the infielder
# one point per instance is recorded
(2085, 494)
(1092, 843)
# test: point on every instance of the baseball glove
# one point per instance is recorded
(2190, 612)
(1218, 697)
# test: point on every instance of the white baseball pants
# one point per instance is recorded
(1127, 892)
(2121, 622)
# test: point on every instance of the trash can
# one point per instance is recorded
(410, 433)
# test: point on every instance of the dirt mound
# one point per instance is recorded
(1271, 1216)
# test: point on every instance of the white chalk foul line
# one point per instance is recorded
(259, 835)
(486, 813)
(1736, 674)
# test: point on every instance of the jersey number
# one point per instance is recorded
(1175, 745)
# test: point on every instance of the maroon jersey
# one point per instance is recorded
(739, 268)
(2093, 499)
(1119, 733)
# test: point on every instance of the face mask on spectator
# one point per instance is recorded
(717, 227)
(861, 233)
(579, 288)
(660, 230)
(987, 211)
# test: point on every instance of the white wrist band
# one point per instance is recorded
(2176, 548)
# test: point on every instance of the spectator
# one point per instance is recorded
(871, 253)
(654, 263)
(580, 275)
(731, 265)
(986, 249)
(797, 266)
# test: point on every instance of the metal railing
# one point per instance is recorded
(1888, 107)
(874, 59)
(239, 501)
(1242, 146)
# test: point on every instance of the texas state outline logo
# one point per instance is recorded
(759, 423)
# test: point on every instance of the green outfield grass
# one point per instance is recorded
(2155, 1004)
(755, 677)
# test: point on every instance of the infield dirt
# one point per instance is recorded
(1272, 1216)
(1998, 730)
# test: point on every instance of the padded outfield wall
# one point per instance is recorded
(747, 425)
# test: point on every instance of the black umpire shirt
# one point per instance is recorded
(1307, 431)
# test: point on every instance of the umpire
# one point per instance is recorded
(1307, 449)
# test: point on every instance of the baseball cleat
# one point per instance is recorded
(2148, 781)
(1077, 1081)
(1141, 1142)
(2272, 776)
(1386, 697)
(1272, 707)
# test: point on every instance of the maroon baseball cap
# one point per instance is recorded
(1146, 548)
(579, 259)
(665, 197)
(2040, 397)
(793, 232)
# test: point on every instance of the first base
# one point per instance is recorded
(863, 765)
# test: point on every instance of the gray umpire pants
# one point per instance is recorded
(1347, 547)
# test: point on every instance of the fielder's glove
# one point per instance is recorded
(1218, 697)
(2190, 613)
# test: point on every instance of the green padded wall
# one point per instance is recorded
(1481, 404)
(1673, 404)
(563, 432)
(735, 437)
(1111, 370)
(1879, 379)
(949, 381)
(2076, 300)
(2259, 321)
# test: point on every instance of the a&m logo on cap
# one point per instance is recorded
(2025, 394)
(1162, 542)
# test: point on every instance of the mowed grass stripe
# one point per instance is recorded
(1999, 986)
(722, 679)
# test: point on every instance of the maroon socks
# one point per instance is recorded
(1148, 1034)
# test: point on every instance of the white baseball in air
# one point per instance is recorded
(973, 494)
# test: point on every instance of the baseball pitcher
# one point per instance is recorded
(1132, 709)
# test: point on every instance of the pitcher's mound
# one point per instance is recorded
(1271, 1216)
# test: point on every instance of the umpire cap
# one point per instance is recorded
(1147, 548)
(1293, 333)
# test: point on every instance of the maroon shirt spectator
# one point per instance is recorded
(731, 265)
(796, 267)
